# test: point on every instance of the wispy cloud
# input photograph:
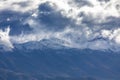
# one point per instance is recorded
(5, 42)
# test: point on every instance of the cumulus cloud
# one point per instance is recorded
(99, 10)
(87, 23)
(19, 5)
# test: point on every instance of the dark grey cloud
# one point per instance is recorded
(52, 19)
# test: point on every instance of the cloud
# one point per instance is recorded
(92, 24)
(19, 5)
(97, 10)
(74, 38)
(5, 39)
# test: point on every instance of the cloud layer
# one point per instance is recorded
(92, 24)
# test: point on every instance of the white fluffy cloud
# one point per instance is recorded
(79, 36)
(97, 10)
(20, 5)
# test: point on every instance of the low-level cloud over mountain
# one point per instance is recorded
(92, 24)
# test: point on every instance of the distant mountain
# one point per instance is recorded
(59, 39)
(42, 44)
(59, 64)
